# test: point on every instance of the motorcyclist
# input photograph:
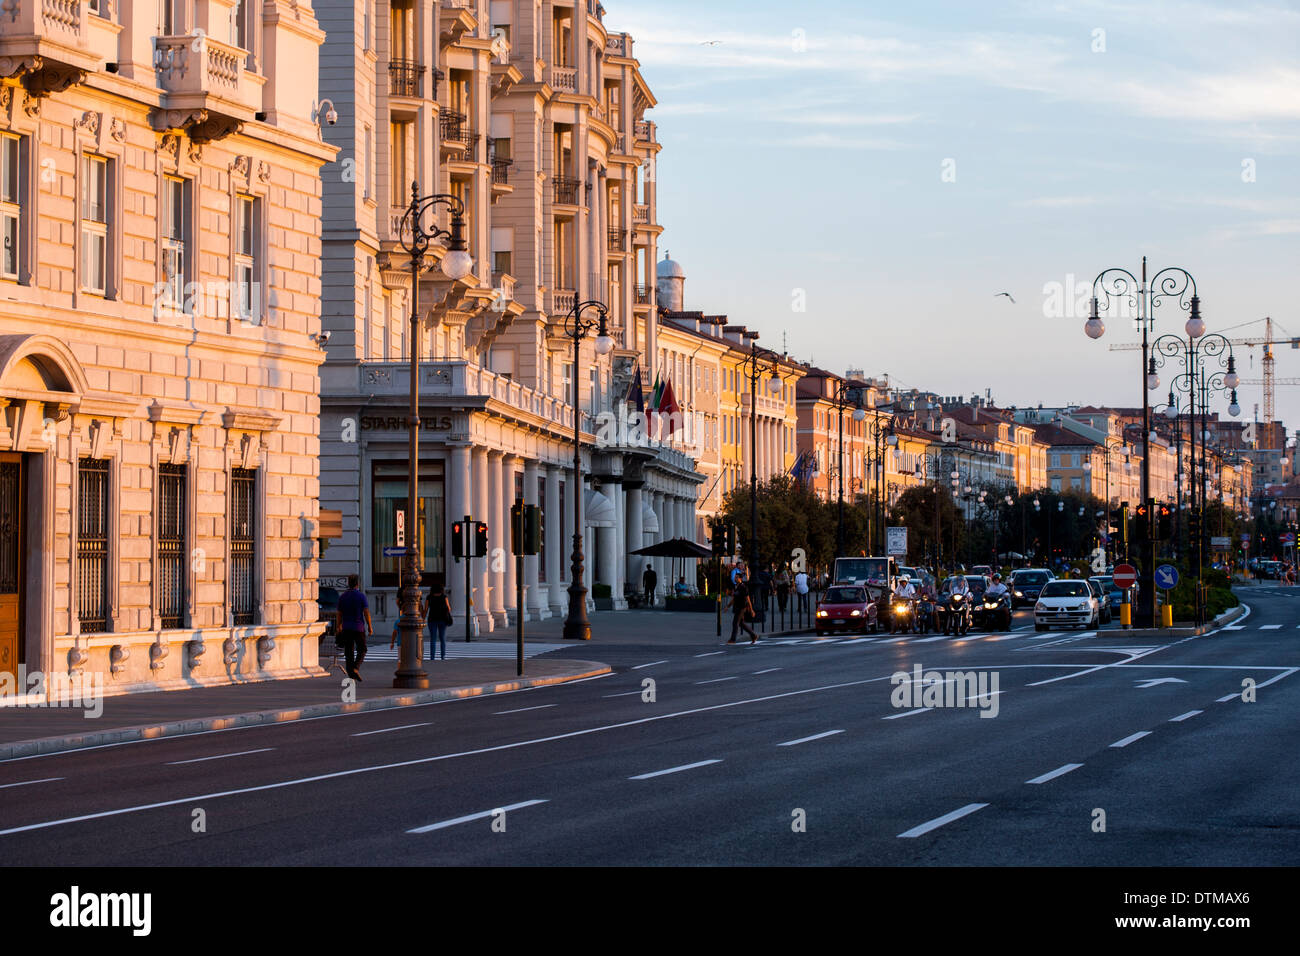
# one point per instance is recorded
(904, 591)
(997, 589)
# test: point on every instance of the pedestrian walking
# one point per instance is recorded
(782, 590)
(801, 590)
(742, 610)
(353, 624)
(650, 581)
(437, 611)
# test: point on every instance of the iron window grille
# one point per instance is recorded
(243, 512)
(171, 544)
(92, 545)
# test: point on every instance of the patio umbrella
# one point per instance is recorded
(674, 548)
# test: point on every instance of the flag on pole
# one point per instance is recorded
(634, 395)
(657, 394)
(668, 406)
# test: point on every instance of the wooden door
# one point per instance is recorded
(11, 562)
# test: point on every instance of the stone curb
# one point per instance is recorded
(179, 728)
(1174, 633)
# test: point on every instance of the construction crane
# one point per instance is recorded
(1267, 341)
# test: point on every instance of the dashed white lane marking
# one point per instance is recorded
(1223, 700)
(937, 822)
(1270, 627)
(1234, 627)
(980, 697)
(1058, 772)
(768, 671)
(1131, 737)
(804, 740)
(716, 680)
(475, 816)
(173, 763)
(420, 761)
(627, 694)
(686, 766)
(1181, 717)
(25, 783)
(388, 730)
(522, 709)
(907, 713)
(710, 653)
(651, 664)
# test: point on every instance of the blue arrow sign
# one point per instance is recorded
(394, 552)
(1166, 576)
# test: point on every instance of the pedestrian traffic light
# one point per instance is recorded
(458, 539)
(1164, 523)
(480, 539)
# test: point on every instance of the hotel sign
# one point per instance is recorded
(437, 423)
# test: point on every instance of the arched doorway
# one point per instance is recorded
(41, 383)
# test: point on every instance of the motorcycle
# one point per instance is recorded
(902, 615)
(994, 611)
(925, 614)
(957, 614)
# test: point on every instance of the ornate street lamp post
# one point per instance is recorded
(846, 393)
(414, 235)
(755, 360)
(1120, 285)
(576, 626)
(882, 433)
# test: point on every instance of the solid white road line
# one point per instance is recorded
(937, 822)
(1180, 717)
(651, 664)
(1131, 737)
(1223, 700)
(522, 709)
(418, 761)
(710, 653)
(1271, 680)
(475, 816)
(173, 763)
(907, 713)
(627, 694)
(24, 783)
(687, 766)
(716, 680)
(387, 730)
(768, 671)
(1058, 772)
(804, 740)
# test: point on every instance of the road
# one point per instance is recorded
(778, 753)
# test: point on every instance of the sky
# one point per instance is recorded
(859, 180)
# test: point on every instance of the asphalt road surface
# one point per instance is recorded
(1097, 750)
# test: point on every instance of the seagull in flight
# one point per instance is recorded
(709, 42)
(1007, 294)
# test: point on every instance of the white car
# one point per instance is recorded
(1066, 602)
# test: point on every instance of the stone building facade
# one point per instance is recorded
(158, 340)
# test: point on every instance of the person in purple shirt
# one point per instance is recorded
(353, 625)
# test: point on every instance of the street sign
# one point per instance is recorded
(395, 552)
(1166, 576)
(896, 542)
(1245, 538)
(1287, 537)
(1125, 576)
(1220, 543)
(401, 528)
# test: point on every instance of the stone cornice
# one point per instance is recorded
(250, 420)
(106, 406)
(177, 413)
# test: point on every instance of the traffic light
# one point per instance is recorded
(525, 529)
(1164, 522)
(480, 539)
(458, 539)
(719, 539)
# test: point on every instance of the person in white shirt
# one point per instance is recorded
(903, 590)
(801, 589)
(997, 588)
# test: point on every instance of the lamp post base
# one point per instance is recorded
(576, 626)
(410, 675)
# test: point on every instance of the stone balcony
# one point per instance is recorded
(207, 90)
(53, 44)
(449, 379)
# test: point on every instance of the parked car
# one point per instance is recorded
(1066, 602)
(1026, 584)
(1104, 612)
(1112, 592)
(846, 607)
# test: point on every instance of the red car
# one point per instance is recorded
(846, 608)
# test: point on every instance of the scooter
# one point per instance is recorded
(902, 615)
(956, 617)
(925, 615)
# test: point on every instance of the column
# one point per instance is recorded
(555, 599)
(481, 512)
(509, 468)
(607, 554)
(534, 600)
(634, 530)
(617, 546)
(498, 546)
(458, 506)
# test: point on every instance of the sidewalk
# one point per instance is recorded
(35, 730)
